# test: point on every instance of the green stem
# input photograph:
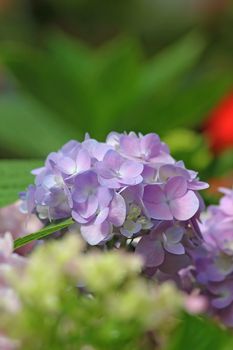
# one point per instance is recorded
(20, 242)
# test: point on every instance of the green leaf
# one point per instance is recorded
(110, 87)
(15, 177)
(28, 128)
(117, 82)
(60, 77)
(48, 230)
(172, 62)
(199, 333)
(223, 164)
(189, 146)
(183, 103)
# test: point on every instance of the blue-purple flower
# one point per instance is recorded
(165, 247)
(116, 171)
(120, 187)
(213, 260)
(172, 200)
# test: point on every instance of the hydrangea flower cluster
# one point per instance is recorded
(9, 302)
(127, 186)
(61, 281)
(213, 261)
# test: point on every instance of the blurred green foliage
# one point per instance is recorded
(70, 300)
(73, 89)
(66, 89)
(67, 299)
(149, 78)
(99, 300)
(62, 76)
(15, 178)
(200, 333)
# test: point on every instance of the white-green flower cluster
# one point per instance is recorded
(96, 301)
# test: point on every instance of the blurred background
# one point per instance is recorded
(73, 66)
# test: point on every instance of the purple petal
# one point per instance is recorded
(78, 218)
(37, 171)
(150, 145)
(83, 161)
(196, 185)
(113, 139)
(213, 274)
(79, 196)
(174, 263)
(155, 203)
(113, 160)
(130, 146)
(88, 208)
(150, 175)
(104, 196)
(224, 295)
(130, 169)
(117, 210)
(174, 234)
(102, 216)
(94, 234)
(174, 248)
(227, 205)
(96, 149)
(67, 165)
(86, 179)
(154, 194)
(104, 171)
(70, 147)
(133, 193)
(162, 158)
(170, 170)
(110, 183)
(159, 211)
(151, 251)
(133, 181)
(175, 187)
(184, 208)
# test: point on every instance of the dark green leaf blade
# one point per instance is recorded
(20, 242)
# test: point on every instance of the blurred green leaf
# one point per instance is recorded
(171, 62)
(15, 178)
(183, 103)
(223, 164)
(108, 88)
(50, 78)
(20, 242)
(200, 333)
(114, 87)
(117, 81)
(28, 128)
(190, 147)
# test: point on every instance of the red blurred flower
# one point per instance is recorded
(219, 126)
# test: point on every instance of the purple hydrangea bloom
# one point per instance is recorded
(171, 200)
(117, 172)
(213, 261)
(166, 247)
(96, 208)
(119, 187)
(147, 149)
